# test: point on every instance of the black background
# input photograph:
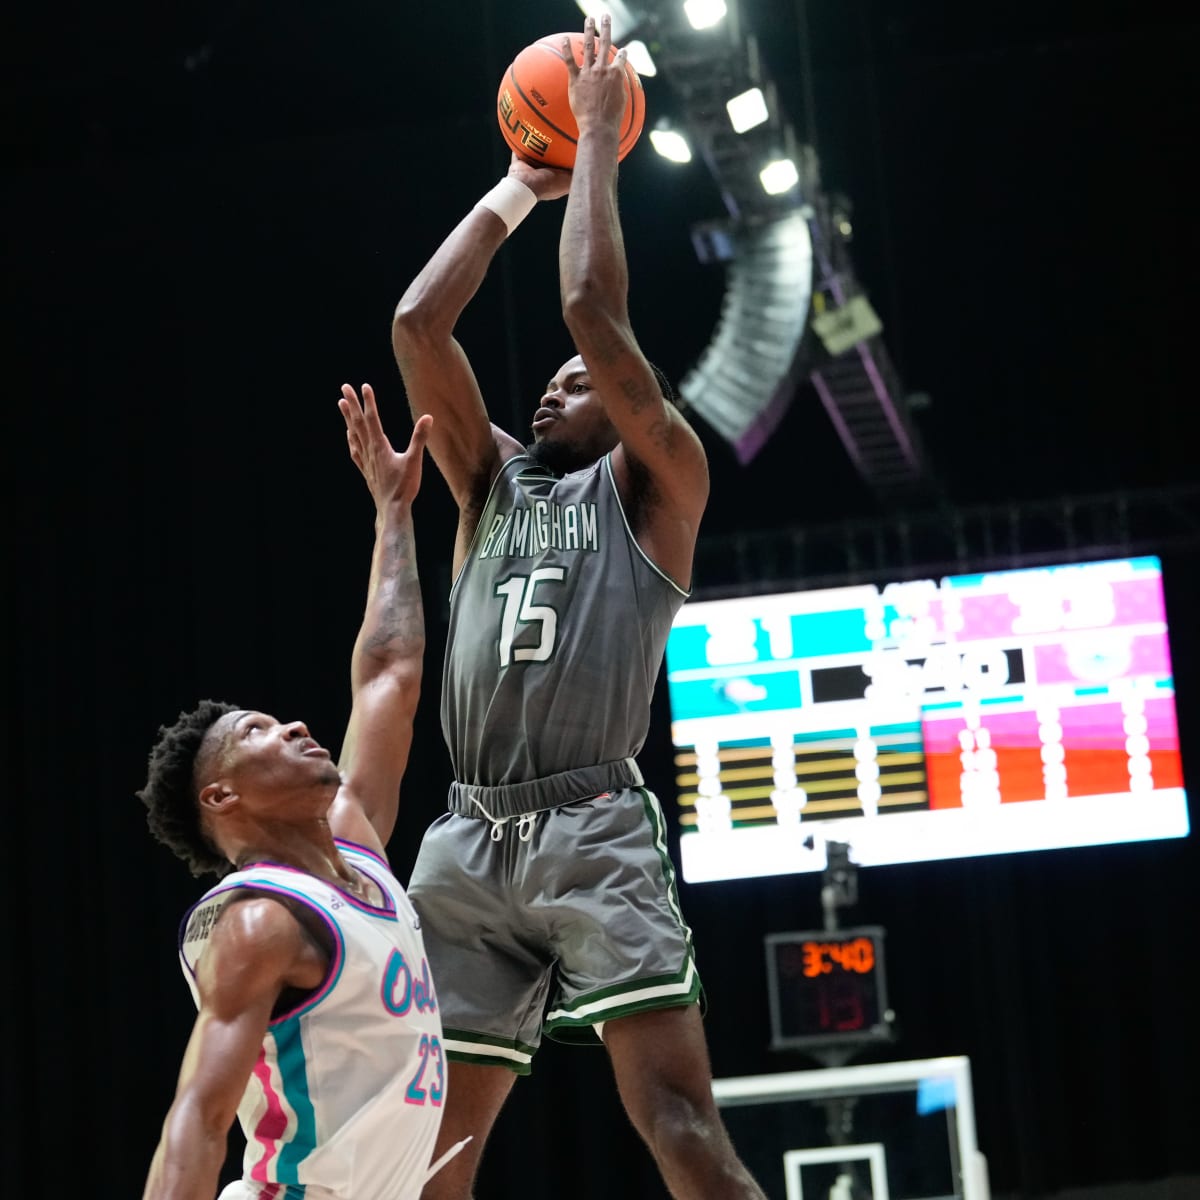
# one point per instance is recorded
(209, 213)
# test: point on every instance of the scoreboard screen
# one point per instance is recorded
(926, 719)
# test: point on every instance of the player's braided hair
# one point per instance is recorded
(172, 808)
(669, 393)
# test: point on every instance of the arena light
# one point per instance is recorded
(779, 176)
(671, 144)
(624, 22)
(639, 58)
(747, 110)
(704, 14)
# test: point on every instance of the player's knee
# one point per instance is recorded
(681, 1126)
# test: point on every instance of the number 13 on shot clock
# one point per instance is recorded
(828, 987)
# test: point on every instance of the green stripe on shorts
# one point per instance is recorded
(464, 1046)
(622, 999)
(659, 825)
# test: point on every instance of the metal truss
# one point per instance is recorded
(930, 543)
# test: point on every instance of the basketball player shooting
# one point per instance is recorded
(317, 1021)
(546, 896)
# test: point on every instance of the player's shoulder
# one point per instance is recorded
(261, 903)
(255, 918)
(507, 446)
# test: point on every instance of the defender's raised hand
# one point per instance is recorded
(389, 475)
(597, 88)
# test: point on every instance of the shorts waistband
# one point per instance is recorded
(537, 795)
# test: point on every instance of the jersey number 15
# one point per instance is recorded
(520, 611)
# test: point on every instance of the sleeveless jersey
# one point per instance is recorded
(558, 625)
(345, 1098)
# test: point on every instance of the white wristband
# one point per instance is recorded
(510, 200)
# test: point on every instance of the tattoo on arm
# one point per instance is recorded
(636, 395)
(660, 432)
(398, 625)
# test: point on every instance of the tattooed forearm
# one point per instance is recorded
(638, 395)
(394, 625)
(661, 435)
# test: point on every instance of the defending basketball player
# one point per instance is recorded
(545, 893)
(317, 1025)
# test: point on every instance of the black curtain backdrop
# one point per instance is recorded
(195, 264)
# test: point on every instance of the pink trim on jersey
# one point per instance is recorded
(272, 1125)
(383, 862)
(388, 909)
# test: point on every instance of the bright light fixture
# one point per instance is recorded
(623, 21)
(639, 58)
(671, 145)
(778, 176)
(747, 110)
(702, 14)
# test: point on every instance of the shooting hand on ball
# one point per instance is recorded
(597, 88)
(546, 183)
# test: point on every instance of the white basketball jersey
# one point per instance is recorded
(345, 1099)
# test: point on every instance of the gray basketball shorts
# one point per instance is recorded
(578, 925)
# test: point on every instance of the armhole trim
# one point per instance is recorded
(483, 508)
(336, 963)
(358, 848)
(685, 593)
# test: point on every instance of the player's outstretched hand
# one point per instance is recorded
(546, 183)
(596, 89)
(389, 475)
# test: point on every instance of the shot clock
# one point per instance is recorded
(827, 988)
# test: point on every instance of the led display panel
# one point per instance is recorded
(925, 719)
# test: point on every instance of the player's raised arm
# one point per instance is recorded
(437, 374)
(594, 280)
(385, 670)
(257, 949)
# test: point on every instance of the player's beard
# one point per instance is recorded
(560, 457)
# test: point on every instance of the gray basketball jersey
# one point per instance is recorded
(558, 625)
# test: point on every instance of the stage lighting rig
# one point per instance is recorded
(783, 242)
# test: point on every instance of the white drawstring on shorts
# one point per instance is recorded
(525, 823)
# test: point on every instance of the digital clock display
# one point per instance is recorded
(827, 987)
(826, 957)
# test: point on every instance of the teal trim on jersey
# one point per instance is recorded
(293, 1074)
(335, 969)
(359, 848)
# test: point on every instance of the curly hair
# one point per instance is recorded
(170, 797)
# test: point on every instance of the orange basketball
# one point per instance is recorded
(534, 111)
